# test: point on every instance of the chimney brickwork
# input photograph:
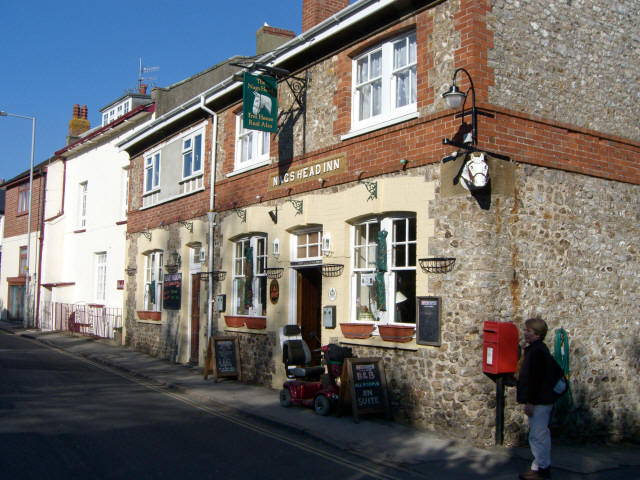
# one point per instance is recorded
(78, 124)
(315, 11)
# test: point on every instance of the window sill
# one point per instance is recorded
(253, 166)
(191, 177)
(82, 230)
(377, 342)
(171, 199)
(379, 126)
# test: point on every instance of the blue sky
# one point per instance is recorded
(56, 54)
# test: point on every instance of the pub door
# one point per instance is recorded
(195, 319)
(309, 288)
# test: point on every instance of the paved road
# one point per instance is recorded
(63, 417)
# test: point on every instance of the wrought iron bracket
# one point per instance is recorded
(242, 213)
(146, 234)
(297, 204)
(372, 188)
(187, 225)
(467, 147)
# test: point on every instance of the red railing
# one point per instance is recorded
(91, 320)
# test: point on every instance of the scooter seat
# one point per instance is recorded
(304, 372)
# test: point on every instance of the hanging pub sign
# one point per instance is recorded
(259, 103)
(171, 291)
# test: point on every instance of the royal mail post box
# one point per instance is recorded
(500, 348)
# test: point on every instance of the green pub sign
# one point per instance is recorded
(260, 103)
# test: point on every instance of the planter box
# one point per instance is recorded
(149, 315)
(255, 323)
(396, 333)
(233, 321)
(357, 330)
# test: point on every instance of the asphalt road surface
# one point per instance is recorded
(66, 417)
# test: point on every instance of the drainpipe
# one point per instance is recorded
(211, 214)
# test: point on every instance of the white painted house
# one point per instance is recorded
(83, 254)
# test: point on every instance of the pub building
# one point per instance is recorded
(372, 213)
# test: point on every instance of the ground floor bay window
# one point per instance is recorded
(383, 284)
(249, 276)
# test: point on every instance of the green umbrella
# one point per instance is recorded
(381, 267)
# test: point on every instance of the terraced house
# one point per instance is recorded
(374, 198)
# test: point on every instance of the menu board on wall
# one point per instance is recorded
(171, 287)
(428, 315)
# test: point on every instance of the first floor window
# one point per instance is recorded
(153, 281)
(252, 146)
(151, 172)
(82, 208)
(250, 276)
(384, 270)
(385, 82)
(23, 198)
(192, 155)
(101, 277)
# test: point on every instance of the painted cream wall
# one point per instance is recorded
(11, 261)
(333, 211)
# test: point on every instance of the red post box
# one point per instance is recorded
(500, 348)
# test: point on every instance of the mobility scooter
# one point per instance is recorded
(310, 386)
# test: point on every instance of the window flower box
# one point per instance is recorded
(396, 333)
(149, 315)
(233, 321)
(357, 330)
(255, 323)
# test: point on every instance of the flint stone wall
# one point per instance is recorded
(561, 245)
(574, 61)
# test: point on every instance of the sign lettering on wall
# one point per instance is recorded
(296, 174)
(260, 103)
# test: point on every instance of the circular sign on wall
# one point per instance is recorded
(274, 291)
(332, 294)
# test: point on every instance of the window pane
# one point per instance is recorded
(365, 102)
(363, 70)
(149, 183)
(366, 303)
(376, 65)
(156, 170)
(376, 98)
(197, 154)
(402, 88)
(187, 144)
(405, 298)
(265, 143)
(414, 85)
(400, 54)
(313, 251)
(186, 171)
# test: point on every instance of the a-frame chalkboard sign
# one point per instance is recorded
(364, 384)
(223, 358)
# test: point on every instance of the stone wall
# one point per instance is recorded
(560, 245)
(571, 61)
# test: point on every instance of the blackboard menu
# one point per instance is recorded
(171, 291)
(428, 315)
(226, 356)
(368, 386)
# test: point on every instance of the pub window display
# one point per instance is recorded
(383, 284)
(249, 276)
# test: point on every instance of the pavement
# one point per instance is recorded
(384, 442)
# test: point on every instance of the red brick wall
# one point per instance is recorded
(315, 11)
(15, 224)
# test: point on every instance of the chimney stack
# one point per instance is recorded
(315, 11)
(269, 38)
(78, 123)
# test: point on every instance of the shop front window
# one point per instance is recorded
(383, 281)
(249, 276)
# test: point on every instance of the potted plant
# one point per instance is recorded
(396, 333)
(357, 330)
(256, 323)
(234, 321)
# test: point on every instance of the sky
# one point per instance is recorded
(56, 54)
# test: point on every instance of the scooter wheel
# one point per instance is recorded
(285, 398)
(321, 405)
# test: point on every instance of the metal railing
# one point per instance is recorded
(90, 320)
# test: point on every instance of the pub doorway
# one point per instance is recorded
(308, 306)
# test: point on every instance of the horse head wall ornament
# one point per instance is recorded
(475, 173)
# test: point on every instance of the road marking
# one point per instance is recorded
(371, 470)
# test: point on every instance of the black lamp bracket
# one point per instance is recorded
(467, 147)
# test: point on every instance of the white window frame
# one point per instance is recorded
(394, 269)
(258, 306)
(387, 81)
(101, 277)
(252, 147)
(152, 163)
(83, 192)
(189, 154)
(307, 244)
(23, 198)
(153, 273)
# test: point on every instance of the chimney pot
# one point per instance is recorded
(142, 88)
